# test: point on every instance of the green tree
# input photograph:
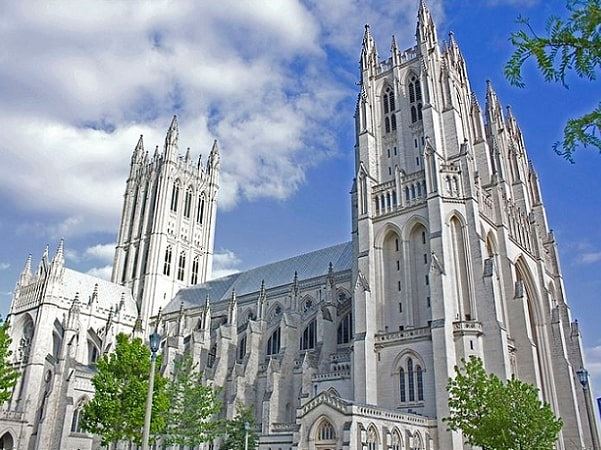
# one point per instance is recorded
(498, 415)
(572, 44)
(193, 407)
(116, 413)
(236, 428)
(8, 375)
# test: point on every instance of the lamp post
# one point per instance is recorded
(155, 340)
(582, 374)
(246, 427)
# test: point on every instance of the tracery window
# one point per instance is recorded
(167, 263)
(396, 441)
(326, 431)
(415, 99)
(372, 439)
(26, 340)
(181, 266)
(273, 343)
(195, 264)
(389, 110)
(212, 356)
(411, 382)
(175, 196)
(188, 203)
(345, 329)
(201, 209)
(75, 420)
(242, 348)
(308, 338)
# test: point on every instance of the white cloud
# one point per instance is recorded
(520, 3)
(101, 252)
(225, 263)
(593, 365)
(589, 257)
(4, 265)
(101, 272)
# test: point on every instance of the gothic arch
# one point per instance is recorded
(396, 439)
(27, 327)
(275, 312)
(307, 304)
(417, 272)
(383, 233)
(373, 438)
(323, 433)
(7, 441)
(410, 225)
(461, 266)
(402, 356)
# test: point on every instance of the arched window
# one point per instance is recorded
(7, 442)
(415, 99)
(181, 266)
(411, 380)
(212, 356)
(402, 385)
(195, 263)
(308, 338)
(201, 209)
(345, 329)
(326, 431)
(242, 348)
(372, 439)
(389, 108)
(273, 343)
(75, 420)
(167, 264)
(175, 196)
(387, 124)
(92, 353)
(396, 441)
(393, 122)
(420, 383)
(26, 340)
(188, 203)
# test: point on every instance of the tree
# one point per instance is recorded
(236, 428)
(498, 415)
(572, 44)
(193, 406)
(116, 413)
(8, 375)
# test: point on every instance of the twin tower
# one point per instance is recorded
(165, 239)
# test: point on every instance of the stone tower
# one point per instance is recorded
(454, 254)
(165, 239)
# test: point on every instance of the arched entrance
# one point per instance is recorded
(7, 442)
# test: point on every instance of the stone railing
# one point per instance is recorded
(334, 375)
(393, 196)
(402, 335)
(13, 416)
(284, 427)
(378, 413)
(467, 327)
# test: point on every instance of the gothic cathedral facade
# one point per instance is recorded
(346, 347)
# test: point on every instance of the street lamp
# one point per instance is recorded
(155, 341)
(246, 428)
(582, 374)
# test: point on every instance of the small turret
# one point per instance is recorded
(171, 140)
(261, 301)
(494, 114)
(394, 51)
(43, 267)
(426, 30)
(187, 157)
(59, 256)
(213, 160)
(369, 53)
(206, 314)
(232, 309)
(25, 277)
(138, 153)
(73, 318)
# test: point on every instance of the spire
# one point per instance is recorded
(393, 46)
(394, 50)
(331, 278)
(261, 300)
(138, 151)
(94, 296)
(369, 53)
(171, 139)
(187, 157)
(59, 256)
(493, 107)
(233, 309)
(73, 318)
(43, 267)
(426, 31)
(25, 276)
(199, 162)
(213, 160)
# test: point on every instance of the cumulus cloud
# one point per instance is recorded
(225, 262)
(4, 265)
(101, 272)
(101, 252)
(590, 257)
(254, 75)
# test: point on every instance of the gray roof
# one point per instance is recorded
(280, 273)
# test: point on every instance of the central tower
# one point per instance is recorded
(166, 235)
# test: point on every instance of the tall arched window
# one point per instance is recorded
(175, 196)
(167, 263)
(345, 329)
(326, 431)
(242, 348)
(201, 209)
(420, 383)
(308, 338)
(212, 356)
(396, 441)
(415, 99)
(411, 380)
(195, 264)
(188, 202)
(462, 286)
(75, 420)
(389, 106)
(273, 343)
(181, 266)
(26, 340)
(93, 352)
(402, 385)
(372, 439)
(7, 442)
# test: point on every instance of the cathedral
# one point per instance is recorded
(346, 347)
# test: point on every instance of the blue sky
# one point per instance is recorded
(276, 85)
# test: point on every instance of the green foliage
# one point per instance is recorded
(235, 430)
(572, 44)
(116, 413)
(8, 375)
(498, 415)
(193, 407)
